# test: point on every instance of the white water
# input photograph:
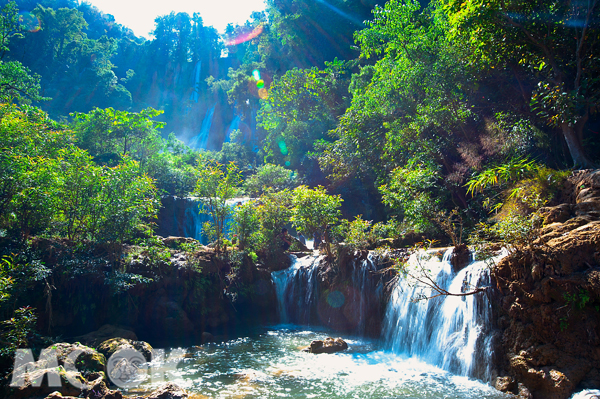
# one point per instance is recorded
(296, 289)
(269, 365)
(200, 140)
(451, 332)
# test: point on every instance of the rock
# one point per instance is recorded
(107, 348)
(99, 390)
(70, 383)
(207, 337)
(175, 242)
(105, 333)
(169, 391)
(461, 257)
(87, 361)
(505, 384)
(329, 345)
(553, 214)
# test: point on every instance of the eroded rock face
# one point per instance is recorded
(461, 257)
(329, 345)
(550, 299)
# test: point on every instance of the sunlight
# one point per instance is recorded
(139, 15)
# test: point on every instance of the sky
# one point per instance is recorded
(139, 15)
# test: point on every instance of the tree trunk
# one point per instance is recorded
(580, 160)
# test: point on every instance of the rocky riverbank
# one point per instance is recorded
(549, 300)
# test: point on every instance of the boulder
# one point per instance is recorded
(168, 391)
(329, 345)
(104, 333)
(109, 347)
(74, 362)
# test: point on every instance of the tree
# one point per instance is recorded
(109, 133)
(301, 108)
(553, 43)
(270, 177)
(315, 211)
(17, 84)
(217, 185)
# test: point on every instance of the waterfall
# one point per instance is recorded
(197, 70)
(199, 141)
(451, 332)
(181, 217)
(296, 289)
(346, 305)
(235, 124)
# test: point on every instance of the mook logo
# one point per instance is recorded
(126, 368)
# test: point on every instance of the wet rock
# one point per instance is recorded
(505, 384)
(168, 391)
(329, 345)
(207, 337)
(67, 383)
(461, 257)
(83, 358)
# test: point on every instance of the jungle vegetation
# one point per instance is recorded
(379, 122)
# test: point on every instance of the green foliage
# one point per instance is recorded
(357, 234)
(18, 84)
(526, 186)
(17, 331)
(515, 169)
(217, 185)
(557, 55)
(246, 224)
(301, 108)
(120, 282)
(109, 133)
(413, 192)
(315, 211)
(270, 177)
(514, 230)
(273, 210)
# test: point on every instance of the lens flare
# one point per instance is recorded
(256, 74)
(287, 163)
(260, 84)
(263, 93)
(29, 21)
(283, 147)
(336, 299)
(245, 36)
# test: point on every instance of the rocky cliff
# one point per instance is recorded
(549, 299)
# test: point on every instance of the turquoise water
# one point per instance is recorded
(270, 364)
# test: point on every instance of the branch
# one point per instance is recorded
(536, 42)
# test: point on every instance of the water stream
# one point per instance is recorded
(269, 364)
(428, 349)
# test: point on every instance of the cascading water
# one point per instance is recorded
(268, 363)
(451, 332)
(344, 307)
(200, 140)
(296, 289)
